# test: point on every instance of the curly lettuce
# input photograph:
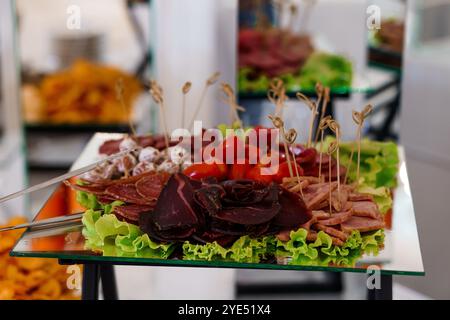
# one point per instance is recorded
(322, 252)
(89, 201)
(245, 249)
(110, 236)
(331, 70)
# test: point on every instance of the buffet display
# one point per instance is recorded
(324, 202)
(82, 94)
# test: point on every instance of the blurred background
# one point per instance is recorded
(60, 60)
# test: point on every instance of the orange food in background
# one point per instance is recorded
(30, 278)
(56, 205)
(83, 93)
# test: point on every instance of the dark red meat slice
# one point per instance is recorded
(150, 186)
(293, 211)
(110, 147)
(131, 212)
(176, 215)
(126, 193)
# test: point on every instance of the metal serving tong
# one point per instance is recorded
(45, 184)
(51, 222)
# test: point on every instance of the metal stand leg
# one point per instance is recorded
(385, 291)
(108, 278)
(89, 289)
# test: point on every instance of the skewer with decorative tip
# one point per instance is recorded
(331, 149)
(293, 10)
(290, 136)
(334, 126)
(279, 124)
(186, 87)
(358, 118)
(323, 125)
(157, 94)
(277, 95)
(313, 108)
(209, 82)
(230, 99)
(325, 99)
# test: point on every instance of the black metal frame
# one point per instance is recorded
(94, 272)
(385, 290)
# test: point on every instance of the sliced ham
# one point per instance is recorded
(365, 209)
(359, 197)
(332, 231)
(320, 214)
(337, 218)
(311, 236)
(362, 224)
(315, 194)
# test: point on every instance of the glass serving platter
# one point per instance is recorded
(401, 253)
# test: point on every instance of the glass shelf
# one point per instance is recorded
(401, 253)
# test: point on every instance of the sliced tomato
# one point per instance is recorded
(204, 170)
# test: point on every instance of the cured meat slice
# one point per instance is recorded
(110, 147)
(150, 186)
(293, 211)
(211, 236)
(311, 236)
(315, 194)
(365, 209)
(126, 193)
(362, 224)
(332, 231)
(337, 218)
(284, 235)
(94, 189)
(131, 212)
(354, 196)
(320, 214)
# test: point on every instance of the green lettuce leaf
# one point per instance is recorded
(89, 201)
(112, 237)
(322, 252)
(245, 249)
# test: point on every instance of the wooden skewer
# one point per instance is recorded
(330, 151)
(326, 99)
(185, 90)
(209, 82)
(358, 118)
(290, 137)
(230, 99)
(313, 108)
(323, 124)
(334, 126)
(120, 87)
(277, 95)
(349, 164)
(279, 124)
(157, 94)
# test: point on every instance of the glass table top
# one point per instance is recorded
(400, 255)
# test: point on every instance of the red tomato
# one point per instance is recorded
(255, 174)
(239, 171)
(204, 170)
(283, 171)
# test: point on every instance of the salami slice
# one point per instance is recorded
(131, 212)
(126, 193)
